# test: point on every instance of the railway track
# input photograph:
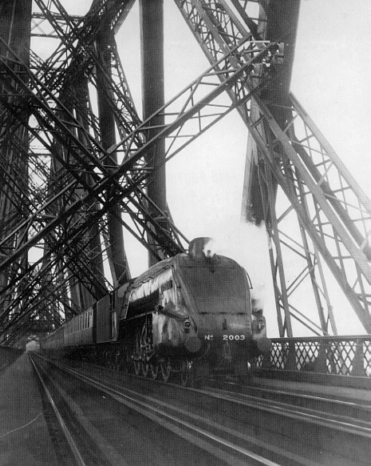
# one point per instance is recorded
(211, 426)
(353, 410)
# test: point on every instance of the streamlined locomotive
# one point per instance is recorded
(190, 315)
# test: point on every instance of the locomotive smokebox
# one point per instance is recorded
(193, 344)
(201, 248)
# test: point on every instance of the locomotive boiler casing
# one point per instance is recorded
(158, 292)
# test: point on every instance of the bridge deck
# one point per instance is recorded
(24, 434)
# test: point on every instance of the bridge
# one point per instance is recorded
(121, 128)
(84, 171)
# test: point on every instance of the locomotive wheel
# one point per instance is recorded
(186, 375)
(145, 368)
(124, 362)
(118, 357)
(137, 355)
(165, 367)
(137, 366)
(154, 370)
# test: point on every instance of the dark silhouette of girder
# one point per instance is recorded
(67, 208)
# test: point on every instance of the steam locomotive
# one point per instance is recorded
(190, 315)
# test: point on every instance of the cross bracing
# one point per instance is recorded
(79, 185)
(304, 167)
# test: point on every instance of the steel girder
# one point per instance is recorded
(78, 163)
(113, 93)
(190, 108)
(50, 76)
(180, 111)
(304, 166)
(57, 75)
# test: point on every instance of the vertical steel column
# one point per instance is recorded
(15, 30)
(117, 254)
(152, 43)
(15, 26)
(278, 21)
(95, 248)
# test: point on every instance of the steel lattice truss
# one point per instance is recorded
(289, 151)
(64, 188)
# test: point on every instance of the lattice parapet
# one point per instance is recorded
(331, 355)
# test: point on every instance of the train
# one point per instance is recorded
(189, 316)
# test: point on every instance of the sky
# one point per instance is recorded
(204, 182)
(331, 77)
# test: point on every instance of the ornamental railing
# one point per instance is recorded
(326, 355)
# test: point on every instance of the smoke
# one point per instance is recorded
(249, 246)
(258, 298)
(209, 248)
